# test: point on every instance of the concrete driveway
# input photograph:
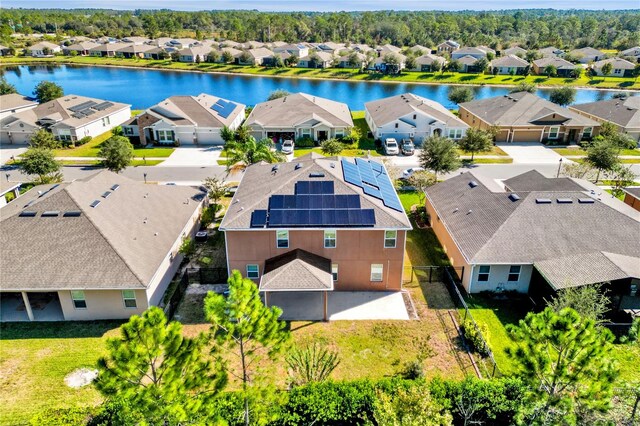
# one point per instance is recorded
(193, 157)
(341, 305)
(530, 153)
(7, 153)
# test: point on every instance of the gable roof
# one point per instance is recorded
(82, 45)
(120, 243)
(429, 59)
(297, 270)
(384, 111)
(556, 61)
(12, 101)
(292, 110)
(586, 51)
(42, 45)
(521, 109)
(533, 180)
(514, 50)
(467, 60)
(617, 63)
(489, 227)
(509, 61)
(196, 110)
(260, 182)
(623, 112)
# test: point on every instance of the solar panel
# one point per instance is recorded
(224, 108)
(259, 219)
(87, 112)
(83, 105)
(103, 106)
(302, 187)
(276, 202)
(374, 181)
(365, 172)
(114, 187)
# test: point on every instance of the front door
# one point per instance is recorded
(322, 135)
(572, 135)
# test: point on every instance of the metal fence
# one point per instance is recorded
(207, 275)
(176, 297)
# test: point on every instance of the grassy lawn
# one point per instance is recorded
(338, 73)
(577, 151)
(91, 149)
(480, 160)
(495, 150)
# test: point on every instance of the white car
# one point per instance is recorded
(287, 147)
(391, 147)
(406, 174)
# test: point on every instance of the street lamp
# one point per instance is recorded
(559, 167)
(145, 177)
(8, 175)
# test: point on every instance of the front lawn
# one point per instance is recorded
(91, 149)
(570, 152)
(495, 150)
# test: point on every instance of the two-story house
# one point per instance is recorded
(315, 226)
(409, 116)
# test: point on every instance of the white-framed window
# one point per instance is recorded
(306, 132)
(127, 131)
(330, 237)
(376, 271)
(334, 271)
(390, 238)
(78, 299)
(617, 71)
(339, 133)
(554, 132)
(587, 132)
(282, 239)
(64, 137)
(129, 298)
(483, 273)
(514, 273)
(253, 272)
(455, 133)
(166, 136)
(105, 121)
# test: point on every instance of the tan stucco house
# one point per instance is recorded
(624, 113)
(104, 247)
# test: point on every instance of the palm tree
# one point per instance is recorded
(243, 154)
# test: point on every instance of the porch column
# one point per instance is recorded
(27, 305)
(324, 302)
(266, 299)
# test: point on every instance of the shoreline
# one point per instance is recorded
(294, 77)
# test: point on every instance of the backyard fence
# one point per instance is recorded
(207, 275)
(176, 297)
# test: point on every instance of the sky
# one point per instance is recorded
(327, 5)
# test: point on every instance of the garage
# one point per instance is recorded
(526, 135)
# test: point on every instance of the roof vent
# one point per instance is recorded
(543, 201)
(586, 200)
(72, 213)
(95, 203)
(50, 213)
(514, 197)
(26, 213)
(316, 174)
(275, 168)
(473, 184)
(333, 165)
(298, 166)
(564, 200)
(106, 194)
(114, 187)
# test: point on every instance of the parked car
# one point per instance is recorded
(287, 147)
(407, 147)
(406, 174)
(391, 147)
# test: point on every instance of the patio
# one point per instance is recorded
(45, 307)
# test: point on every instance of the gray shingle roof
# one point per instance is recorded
(533, 180)
(509, 61)
(194, 110)
(15, 100)
(624, 112)
(522, 109)
(633, 191)
(559, 63)
(120, 243)
(384, 111)
(297, 270)
(259, 183)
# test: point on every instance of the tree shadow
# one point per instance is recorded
(303, 71)
(540, 79)
(594, 82)
(626, 84)
(468, 77)
(56, 330)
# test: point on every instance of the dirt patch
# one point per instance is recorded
(80, 377)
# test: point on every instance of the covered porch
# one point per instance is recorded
(30, 306)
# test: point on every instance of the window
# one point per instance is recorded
(554, 132)
(253, 272)
(455, 133)
(514, 273)
(79, 302)
(165, 136)
(415, 116)
(334, 271)
(282, 239)
(376, 272)
(587, 132)
(617, 71)
(129, 297)
(306, 132)
(396, 125)
(390, 239)
(329, 239)
(127, 131)
(339, 133)
(483, 273)
(63, 138)
(106, 121)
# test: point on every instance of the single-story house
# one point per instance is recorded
(389, 63)
(81, 48)
(409, 116)
(624, 113)
(40, 48)
(587, 54)
(310, 229)
(475, 52)
(467, 63)
(419, 50)
(300, 115)
(316, 60)
(516, 50)
(425, 63)
(632, 197)
(536, 235)
(155, 53)
(14, 103)
(182, 43)
(136, 40)
(257, 56)
(252, 44)
(509, 64)
(362, 48)
(136, 51)
(331, 47)
(563, 68)
(621, 67)
(633, 52)
(388, 48)
(300, 50)
(448, 46)
(103, 247)
(107, 49)
(550, 51)
(344, 61)
(525, 117)
(69, 118)
(185, 120)
(194, 54)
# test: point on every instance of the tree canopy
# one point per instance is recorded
(6, 88)
(47, 91)
(460, 94)
(439, 155)
(476, 140)
(563, 96)
(42, 163)
(116, 153)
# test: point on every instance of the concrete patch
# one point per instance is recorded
(80, 377)
(7, 153)
(367, 305)
(530, 153)
(193, 157)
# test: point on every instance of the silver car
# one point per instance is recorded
(287, 147)
(391, 147)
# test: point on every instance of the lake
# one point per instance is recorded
(142, 87)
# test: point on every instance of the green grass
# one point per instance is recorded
(349, 152)
(338, 73)
(91, 149)
(495, 150)
(578, 151)
(98, 163)
(480, 160)
(619, 197)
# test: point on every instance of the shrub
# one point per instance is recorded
(188, 247)
(208, 215)
(62, 417)
(205, 261)
(634, 332)
(412, 370)
(331, 147)
(305, 142)
(475, 337)
(83, 141)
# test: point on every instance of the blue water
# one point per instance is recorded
(143, 88)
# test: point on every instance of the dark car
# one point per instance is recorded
(407, 147)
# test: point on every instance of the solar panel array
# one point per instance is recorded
(103, 106)
(224, 108)
(83, 105)
(373, 179)
(314, 204)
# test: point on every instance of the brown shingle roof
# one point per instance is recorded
(297, 270)
(623, 112)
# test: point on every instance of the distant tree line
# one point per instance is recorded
(529, 28)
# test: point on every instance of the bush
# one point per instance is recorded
(412, 370)
(208, 215)
(62, 417)
(205, 261)
(634, 332)
(305, 142)
(83, 141)
(475, 337)
(331, 147)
